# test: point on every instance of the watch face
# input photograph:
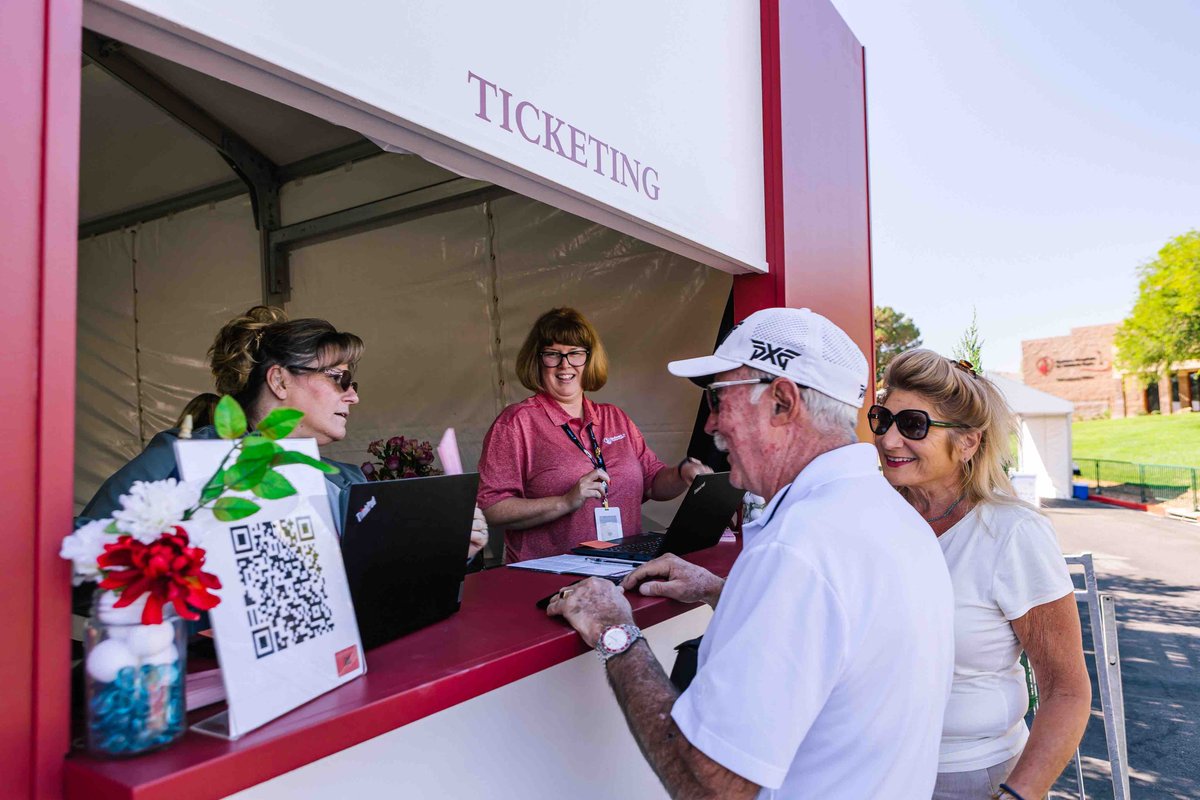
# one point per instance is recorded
(615, 638)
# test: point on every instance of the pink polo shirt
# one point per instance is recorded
(527, 454)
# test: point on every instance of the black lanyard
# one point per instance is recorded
(595, 456)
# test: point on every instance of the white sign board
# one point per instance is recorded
(285, 629)
(647, 115)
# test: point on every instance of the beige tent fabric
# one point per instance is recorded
(443, 303)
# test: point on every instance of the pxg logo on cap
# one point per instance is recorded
(779, 356)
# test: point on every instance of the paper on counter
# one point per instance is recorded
(576, 565)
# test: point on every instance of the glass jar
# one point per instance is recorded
(133, 678)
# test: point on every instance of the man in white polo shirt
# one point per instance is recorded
(826, 667)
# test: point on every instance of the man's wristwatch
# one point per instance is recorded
(616, 639)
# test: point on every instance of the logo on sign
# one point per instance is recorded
(1045, 364)
(779, 356)
(347, 660)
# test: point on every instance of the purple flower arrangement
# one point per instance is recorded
(399, 458)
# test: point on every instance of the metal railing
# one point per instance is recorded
(1146, 483)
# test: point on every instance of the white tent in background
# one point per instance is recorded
(1045, 435)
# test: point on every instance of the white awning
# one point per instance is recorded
(646, 118)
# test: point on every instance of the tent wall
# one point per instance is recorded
(443, 302)
(1046, 452)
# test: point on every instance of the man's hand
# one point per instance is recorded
(672, 577)
(590, 607)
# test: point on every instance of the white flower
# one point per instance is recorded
(151, 508)
(83, 547)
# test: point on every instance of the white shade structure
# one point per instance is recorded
(1045, 436)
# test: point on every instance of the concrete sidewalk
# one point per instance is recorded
(1151, 566)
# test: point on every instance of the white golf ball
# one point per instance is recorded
(107, 659)
(168, 655)
(107, 613)
(146, 640)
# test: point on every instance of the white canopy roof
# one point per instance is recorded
(1029, 402)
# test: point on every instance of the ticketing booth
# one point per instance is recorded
(431, 176)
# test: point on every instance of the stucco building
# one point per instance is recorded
(1080, 367)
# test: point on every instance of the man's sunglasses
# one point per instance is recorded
(342, 378)
(714, 399)
(912, 423)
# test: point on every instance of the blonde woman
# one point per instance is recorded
(943, 432)
(267, 361)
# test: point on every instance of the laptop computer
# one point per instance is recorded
(404, 544)
(706, 511)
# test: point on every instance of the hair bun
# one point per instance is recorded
(232, 355)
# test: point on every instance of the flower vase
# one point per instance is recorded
(134, 678)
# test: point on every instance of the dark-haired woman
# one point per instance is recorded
(540, 475)
(266, 361)
(943, 432)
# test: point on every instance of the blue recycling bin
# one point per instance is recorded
(1079, 491)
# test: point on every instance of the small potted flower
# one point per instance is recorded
(399, 458)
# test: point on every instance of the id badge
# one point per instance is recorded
(608, 524)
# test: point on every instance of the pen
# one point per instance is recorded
(612, 561)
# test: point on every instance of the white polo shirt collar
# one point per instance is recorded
(852, 460)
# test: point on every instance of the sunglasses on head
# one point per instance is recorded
(342, 378)
(912, 423)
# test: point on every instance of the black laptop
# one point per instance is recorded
(706, 512)
(405, 547)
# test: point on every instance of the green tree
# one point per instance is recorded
(894, 333)
(1164, 326)
(970, 346)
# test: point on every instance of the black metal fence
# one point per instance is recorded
(1144, 483)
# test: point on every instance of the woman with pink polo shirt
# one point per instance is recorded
(558, 469)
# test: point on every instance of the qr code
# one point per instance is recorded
(286, 602)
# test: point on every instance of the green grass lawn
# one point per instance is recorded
(1152, 439)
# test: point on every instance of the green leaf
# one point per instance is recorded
(228, 509)
(214, 488)
(280, 422)
(257, 448)
(274, 486)
(245, 475)
(229, 418)
(293, 457)
(112, 527)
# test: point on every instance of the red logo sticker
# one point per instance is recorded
(347, 660)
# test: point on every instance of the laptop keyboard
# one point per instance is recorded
(645, 547)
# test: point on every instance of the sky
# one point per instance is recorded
(1026, 158)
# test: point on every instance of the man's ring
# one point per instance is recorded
(563, 593)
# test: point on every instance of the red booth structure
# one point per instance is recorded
(816, 245)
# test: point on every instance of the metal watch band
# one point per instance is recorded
(633, 632)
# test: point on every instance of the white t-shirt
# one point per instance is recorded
(826, 668)
(1004, 559)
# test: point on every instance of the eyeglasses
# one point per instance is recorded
(342, 378)
(714, 399)
(912, 423)
(552, 358)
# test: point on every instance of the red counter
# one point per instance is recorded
(498, 637)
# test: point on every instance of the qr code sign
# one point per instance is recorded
(286, 602)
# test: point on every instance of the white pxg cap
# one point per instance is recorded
(794, 343)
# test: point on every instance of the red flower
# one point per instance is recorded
(169, 570)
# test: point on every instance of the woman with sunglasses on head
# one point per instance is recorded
(558, 469)
(943, 434)
(266, 361)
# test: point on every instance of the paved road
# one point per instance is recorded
(1152, 567)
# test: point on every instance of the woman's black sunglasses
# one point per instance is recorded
(912, 423)
(342, 378)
